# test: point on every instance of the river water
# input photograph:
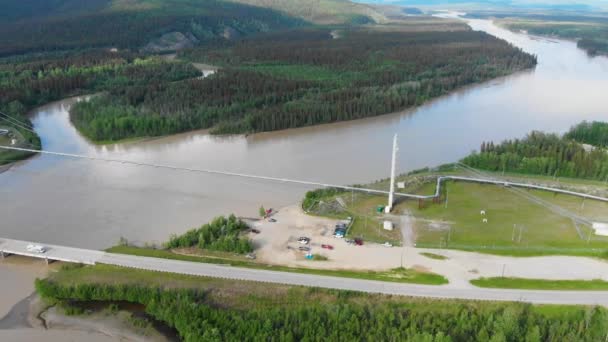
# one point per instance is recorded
(92, 204)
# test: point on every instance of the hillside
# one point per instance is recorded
(38, 25)
(12, 10)
(323, 11)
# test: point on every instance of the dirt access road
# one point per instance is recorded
(459, 268)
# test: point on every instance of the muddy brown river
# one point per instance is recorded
(92, 204)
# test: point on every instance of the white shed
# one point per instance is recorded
(600, 228)
(388, 225)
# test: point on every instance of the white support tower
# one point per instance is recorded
(391, 191)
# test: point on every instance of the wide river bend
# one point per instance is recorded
(92, 204)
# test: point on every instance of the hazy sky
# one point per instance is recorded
(575, 4)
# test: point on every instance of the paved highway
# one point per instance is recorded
(227, 272)
(430, 291)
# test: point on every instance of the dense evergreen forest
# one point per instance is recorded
(593, 133)
(543, 154)
(302, 77)
(30, 81)
(221, 234)
(341, 316)
(26, 82)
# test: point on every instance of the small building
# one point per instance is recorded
(388, 225)
(600, 228)
(4, 131)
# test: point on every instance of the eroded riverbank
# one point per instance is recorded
(24, 317)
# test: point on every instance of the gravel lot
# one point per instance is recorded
(459, 268)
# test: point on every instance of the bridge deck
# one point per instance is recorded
(53, 253)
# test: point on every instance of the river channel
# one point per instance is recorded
(92, 204)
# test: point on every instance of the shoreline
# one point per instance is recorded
(24, 316)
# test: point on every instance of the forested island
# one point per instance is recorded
(549, 154)
(300, 78)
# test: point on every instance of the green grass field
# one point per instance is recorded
(368, 222)
(434, 256)
(515, 225)
(540, 284)
(595, 210)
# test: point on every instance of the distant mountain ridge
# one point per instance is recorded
(322, 11)
(51, 25)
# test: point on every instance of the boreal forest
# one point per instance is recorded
(549, 154)
(298, 314)
(299, 78)
(592, 133)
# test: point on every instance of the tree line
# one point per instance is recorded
(302, 77)
(593, 133)
(221, 234)
(313, 196)
(195, 319)
(542, 154)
